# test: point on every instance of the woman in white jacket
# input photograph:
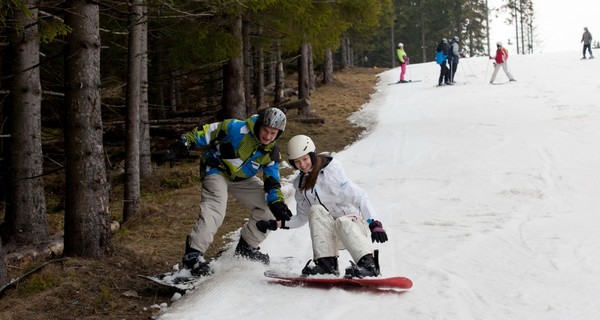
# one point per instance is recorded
(339, 213)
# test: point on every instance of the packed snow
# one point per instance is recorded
(489, 195)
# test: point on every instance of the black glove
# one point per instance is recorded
(280, 211)
(377, 232)
(264, 225)
(176, 151)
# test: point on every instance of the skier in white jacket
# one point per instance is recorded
(339, 213)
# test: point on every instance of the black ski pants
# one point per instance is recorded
(444, 74)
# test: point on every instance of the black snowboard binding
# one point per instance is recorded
(326, 265)
(194, 261)
(367, 266)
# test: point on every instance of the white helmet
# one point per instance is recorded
(400, 45)
(299, 146)
(499, 43)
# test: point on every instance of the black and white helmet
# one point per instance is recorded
(272, 117)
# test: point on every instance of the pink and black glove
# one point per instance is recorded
(377, 232)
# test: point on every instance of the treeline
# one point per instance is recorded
(71, 66)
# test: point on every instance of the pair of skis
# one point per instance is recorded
(405, 82)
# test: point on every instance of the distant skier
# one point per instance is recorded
(586, 38)
(403, 58)
(441, 58)
(338, 212)
(453, 57)
(501, 61)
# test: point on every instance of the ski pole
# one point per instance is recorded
(470, 68)
(486, 70)
(463, 69)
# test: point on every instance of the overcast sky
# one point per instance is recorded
(559, 24)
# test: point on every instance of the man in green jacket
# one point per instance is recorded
(237, 151)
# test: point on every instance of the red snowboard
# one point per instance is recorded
(394, 283)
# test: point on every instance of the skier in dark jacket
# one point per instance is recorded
(586, 39)
(441, 58)
(453, 56)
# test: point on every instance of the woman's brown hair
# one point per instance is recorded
(310, 179)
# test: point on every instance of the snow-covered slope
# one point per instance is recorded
(489, 194)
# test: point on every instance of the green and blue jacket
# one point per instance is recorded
(235, 152)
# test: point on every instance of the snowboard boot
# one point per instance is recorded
(326, 265)
(194, 261)
(245, 250)
(367, 266)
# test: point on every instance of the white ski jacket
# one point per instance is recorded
(334, 191)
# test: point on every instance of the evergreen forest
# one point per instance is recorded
(88, 85)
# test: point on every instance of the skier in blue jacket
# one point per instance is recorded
(237, 151)
(441, 58)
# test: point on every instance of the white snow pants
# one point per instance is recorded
(213, 206)
(330, 235)
(505, 68)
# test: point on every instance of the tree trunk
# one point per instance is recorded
(175, 98)
(259, 74)
(522, 20)
(158, 77)
(312, 85)
(272, 65)
(279, 74)
(3, 272)
(4, 133)
(25, 218)
(233, 80)
(131, 197)
(303, 86)
(145, 152)
(87, 223)
(516, 22)
(247, 57)
(344, 63)
(328, 66)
